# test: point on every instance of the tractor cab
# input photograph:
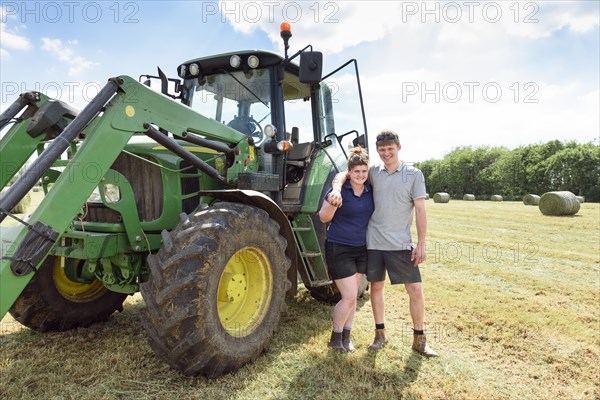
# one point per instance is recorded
(293, 115)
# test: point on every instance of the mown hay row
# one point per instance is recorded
(496, 197)
(559, 203)
(469, 197)
(531, 199)
(441, 197)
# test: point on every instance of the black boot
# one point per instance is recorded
(346, 341)
(336, 342)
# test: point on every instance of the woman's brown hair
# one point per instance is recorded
(357, 156)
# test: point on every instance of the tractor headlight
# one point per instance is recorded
(112, 193)
(95, 196)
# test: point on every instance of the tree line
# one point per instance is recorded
(535, 169)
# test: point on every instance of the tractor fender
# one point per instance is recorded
(262, 201)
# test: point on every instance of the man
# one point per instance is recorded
(398, 189)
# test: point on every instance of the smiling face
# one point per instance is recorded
(389, 154)
(359, 174)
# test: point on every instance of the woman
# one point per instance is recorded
(345, 247)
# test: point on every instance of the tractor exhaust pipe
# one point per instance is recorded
(33, 174)
(172, 145)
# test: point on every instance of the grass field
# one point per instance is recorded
(513, 308)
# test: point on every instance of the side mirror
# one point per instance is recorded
(311, 66)
(359, 141)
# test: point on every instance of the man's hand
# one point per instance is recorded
(418, 254)
(335, 198)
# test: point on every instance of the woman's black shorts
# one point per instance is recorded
(344, 261)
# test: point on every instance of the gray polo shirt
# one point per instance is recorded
(394, 194)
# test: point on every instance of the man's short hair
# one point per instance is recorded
(387, 137)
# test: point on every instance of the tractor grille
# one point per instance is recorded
(146, 181)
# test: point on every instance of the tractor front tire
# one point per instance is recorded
(52, 302)
(216, 289)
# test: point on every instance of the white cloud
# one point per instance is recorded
(11, 38)
(316, 21)
(64, 52)
(540, 19)
(429, 129)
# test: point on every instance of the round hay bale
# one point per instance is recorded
(469, 197)
(531, 199)
(496, 197)
(441, 197)
(426, 196)
(23, 205)
(559, 203)
(580, 199)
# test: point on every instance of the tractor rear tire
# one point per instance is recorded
(52, 302)
(216, 289)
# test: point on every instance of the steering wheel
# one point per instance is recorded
(248, 126)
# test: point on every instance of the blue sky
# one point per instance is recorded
(430, 70)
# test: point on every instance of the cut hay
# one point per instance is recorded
(559, 203)
(469, 197)
(531, 199)
(441, 197)
(580, 199)
(496, 197)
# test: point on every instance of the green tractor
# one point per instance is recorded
(201, 194)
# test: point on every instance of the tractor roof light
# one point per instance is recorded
(182, 71)
(194, 69)
(235, 61)
(286, 33)
(285, 29)
(253, 61)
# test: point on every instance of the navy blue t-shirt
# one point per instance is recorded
(349, 223)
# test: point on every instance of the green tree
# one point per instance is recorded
(576, 169)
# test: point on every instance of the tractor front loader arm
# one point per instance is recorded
(122, 108)
(40, 115)
(25, 246)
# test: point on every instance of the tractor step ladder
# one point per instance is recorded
(310, 251)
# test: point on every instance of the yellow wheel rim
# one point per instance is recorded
(74, 291)
(244, 291)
